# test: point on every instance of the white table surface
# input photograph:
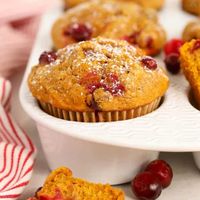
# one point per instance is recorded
(186, 182)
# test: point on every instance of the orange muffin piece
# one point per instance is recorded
(60, 184)
(110, 19)
(190, 63)
(155, 4)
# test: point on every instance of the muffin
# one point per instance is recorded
(191, 6)
(190, 63)
(99, 80)
(155, 4)
(110, 19)
(192, 31)
(60, 184)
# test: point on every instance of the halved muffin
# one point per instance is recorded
(190, 63)
(60, 184)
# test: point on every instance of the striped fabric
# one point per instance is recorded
(17, 152)
(18, 26)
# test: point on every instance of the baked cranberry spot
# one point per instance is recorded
(79, 32)
(47, 57)
(149, 43)
(91, 81)
(150, 63)
(58, 196)
(110, 82)
(132, 39)
(196, 45)
(113, 85)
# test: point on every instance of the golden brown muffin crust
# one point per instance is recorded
(106, 72)
(155, 4)
(116, 20)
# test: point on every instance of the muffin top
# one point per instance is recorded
(155, 4)
(110, 19)
(99, 74)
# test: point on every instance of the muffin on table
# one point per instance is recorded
(115, 20)
(98, 80)
(191, 6)
(190, 63)
(60, 184)
(192, 31)
(155, 4)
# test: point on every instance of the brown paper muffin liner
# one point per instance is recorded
(98, 116)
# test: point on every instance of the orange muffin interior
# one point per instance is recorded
(60, 184)
(190, 63)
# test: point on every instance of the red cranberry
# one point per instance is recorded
(172, 63)
(132, 39)
(150, 63)
(79, 32)
(149, 44)
(113, 85)
(93, 86)
(163, 171)
(146, 186)
(110, 83)
(58, 196)
(173, 46)
(47, 57)
(196, 45)
(91, 81)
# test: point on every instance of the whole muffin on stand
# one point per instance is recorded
(110, 19)
(155, 4)
(99, 80)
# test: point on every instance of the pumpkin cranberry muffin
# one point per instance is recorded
(98, 80)
(60, 184)
(190, 63)
(192, 31)
(191, 6)
(155, 4)
(110, 19)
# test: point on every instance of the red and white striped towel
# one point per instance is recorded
(18, 25)
(17, 152)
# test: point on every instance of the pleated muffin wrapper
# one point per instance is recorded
(100, 116)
